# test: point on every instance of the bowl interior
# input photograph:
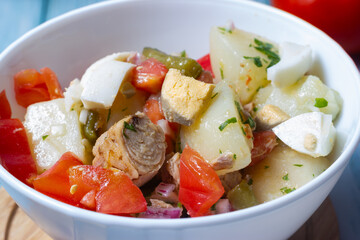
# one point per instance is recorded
(69, 44)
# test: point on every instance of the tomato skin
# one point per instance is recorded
(5, 109)
(119, 195)
(149, 75)
(31, 86)
(15, 154)
(55, 181)
(206, 63)
(200, 186)
(105, 190)
(264, 142)
(338, 18)
(153, 110)
(52, 83)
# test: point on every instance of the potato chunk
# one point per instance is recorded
(236, 60)
(205, 136)
(283, 171)
(53, 131)
(300, 97)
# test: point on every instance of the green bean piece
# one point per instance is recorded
(89, 127)
(187, 66)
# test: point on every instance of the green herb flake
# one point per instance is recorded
(320, 102)
(227, 122)
(250, 182)
(179, 205)
(234, 156)
(214, 95)
(258, 89)
(221, 73)
(266, 167)
(72, 109)
(255, 109)
(129, 126)
(313, 175)
(286, 177)
(108, 116)
(286, 190)
(238, 107)
(183, 53)
(256, 60)
(242, 129)
(267, 49)
(44, 137)
(224, 30)
(298, 165)
(213, 207)
(220, 151)
(251, 122)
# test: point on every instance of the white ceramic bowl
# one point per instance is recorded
(70, 43)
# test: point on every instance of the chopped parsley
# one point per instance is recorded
(220, 151)
(183, 53)
(238, 107)
(224, 30)
(298, 165)
(214, 95)
(108, 116)
(286, 190)
(255, 109)
(250, 182)
(44, 137)
(227, 122)
(257, 60)
(128, 126)
(250, 121)
(258, 89)
(320, 102)
(267, 49)
(234, 156)
(242, 129)
(221, 73)
(72, 109)
(286, 177)
(266, 167)
(179, 205)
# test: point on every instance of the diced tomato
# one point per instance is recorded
(153, 110)
(89, 200)
(106, 191)
(264, 143)
(206, 63)
(52, 83)
(200, 186)
(5, 109)
(119, 195)
(15, 154)
(149, 75)
(32, 86)
(55, 181)
(86, 178)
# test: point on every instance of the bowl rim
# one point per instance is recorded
(338, 165)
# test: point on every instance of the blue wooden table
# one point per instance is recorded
(19, 16)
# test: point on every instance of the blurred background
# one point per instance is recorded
(340, 19)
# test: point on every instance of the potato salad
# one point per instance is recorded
(161, 135)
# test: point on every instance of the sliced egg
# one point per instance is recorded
(295, 62)
(310, 133)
